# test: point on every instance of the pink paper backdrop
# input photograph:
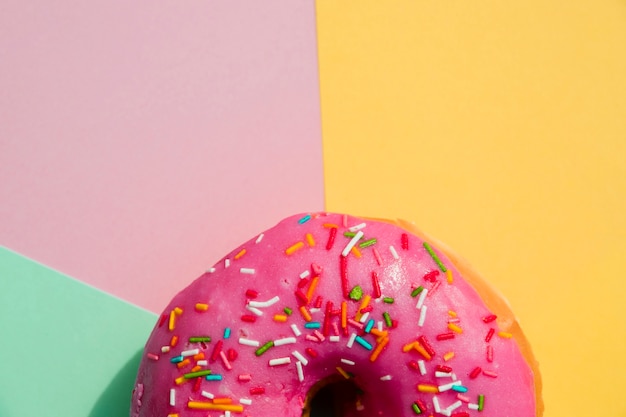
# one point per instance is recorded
(140, 141)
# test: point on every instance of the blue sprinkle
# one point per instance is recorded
(213, 377)
(176, 359)
(459, 388)
(313, 325)
(227, 333)
(363, 343)
(369, 325)
(304, 219)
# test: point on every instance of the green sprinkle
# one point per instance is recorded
(367, 243)
(198, 339)
(481, 402)
(264, 348)
(417, 291)
(388, 300)
(349, 234)
(196, 374)
(435, 257)
(416, 408)
(288, 311)
(356, 293)
(387, 318)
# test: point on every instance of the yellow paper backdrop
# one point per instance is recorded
(499, 128)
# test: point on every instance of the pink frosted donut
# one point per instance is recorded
(367, 317)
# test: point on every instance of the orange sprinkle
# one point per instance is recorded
(173, 415)
(198, 357)
(305, 313)
(431, 389)
(408, 347)
(293, 248)
(378, 349)
(505, 335)
(312, 286)
(344, 314)
(202, 307)
(281, 318)
(196, 368)
(355, 251)
(449, 276)
(421, 350)
(364, 303)
(342, 372)
(178, 311)
(223, 400)
(184, 363)
(172, 323)
(455, 328)
(452, 313)
(199, 405)
(173, 341)
(180, 380)
(310, 240)
(241, 253)
(330, 225)
(378, 333)
(448, 356)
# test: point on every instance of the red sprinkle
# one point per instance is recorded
(475, 372)
(460, 414)
(366, 309)
(489, 318)
(443, 368)
(232, 354)
(432, 275)
(317, 270)
(489, 335)
(421, 405)
(248, 318)
(216, 350)
(424, 342)
(343, 267)
(331, 238)
(394, 323)
(302, 299)
(376, 285)
(162, 319)
(318, 301)
(196, 385)
(489, 353)
(414, 365)
(445, 336)
(336, 312)
(252, 293)
(329, 310)
(405, 241)
(312, 353)
(257, 391)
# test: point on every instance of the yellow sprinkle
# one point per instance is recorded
(241, 253)
(364, 303)
(224, 400)
(172, 415)
(172, 322)
(305, 313)
(202, 307)
(330, 225)
(431, 389)
(355, 251)
(449, 276)
(505, 335)
(312, 286)
(452, 313)
(281, 318)
(455, 328)
(198, 405)
(378, 349)
(180, 380)
(293, 248)
(448, 356)
(178, 311)
(342, 372)
(310, 240)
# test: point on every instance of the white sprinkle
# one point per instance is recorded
(380, 326)
(351, 340)
(300, 372)
(472, 406)
(454, 406)
(260, 238)
(172, 397)
(254, 310)
(190, 352)
(440, 374)
(357, 227)
(304, 274)
(263, 304)
(453, 375)
(351, 244)
(393, 252)
(280, 361)
(284, 341)
(347, 361)
(300, 357)
(385, 378)
(446, 413)
(422, 297)
(211, 270)
(422, 366)
(436, 404)
(226, 413)
(202, 363)
(422, 318)
(295, 330)
(165, 349)
(314, 310)
(245, 401)
(447, 387)
(248, 342)
(226, 263)
(225, 361)
(207, 395)
(248, 271)
(364, 317)
(334, 338)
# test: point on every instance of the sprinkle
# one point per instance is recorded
(422, 297)
(257, 391)
(453, 407)
(172, 397)
(311, 352)
(355, 252)
(342, 372)
(300, 357)
(344, 314)
(241, 253)
(351, 340)
(183, 363)
(248, 318)
(309, 239)
(394, 253)
(331, 238)
(475, 372)
(431, 276)
(299, 370)
(295, 330)
(455, 328)
(351, 244)
(447, 387)
(244, 377)
(280, 318)
(459, 388)
(172, 321)
(356, 293)
(313, 325)
(369, 325)
(293, 248)
(245, 401)
(215, 377)
(367, 243)
(432, 253)
(203, 363)
(259, 239)
(264, 348)
(285, 341)
(226, 263)
(388, 300)
(280, 361)
(198, 405)
(305, 313)
(153, 356)
(436, 404)
(202, 307)
(304, 274)
(448, 356)
(489, 318)
(347, 361)
(422, 316)
(379, 259)
(357, 227)
(449, 276)
(343, 268)
(248, 342)
(385, 378)
(387, 318)
(196, 374)
(490, 374)
(190, 352)
(481, 402)
(505, 335)
(363, 343)
(428, 388)
(287, 311)
(445, 336)
(489, 353)
(304, 219)
(489, 335)
(312, 287)
(226, 333)
(416, 291)
(173, 341)
(263, 304)
(198, 339)
(426, 345)
(379, 349)
(225, 361)
(248, 271)
(207, 394)
(254, 310)
(211, 270)
(319, 335)
(165, 349)
(422, 366)
(232, 354)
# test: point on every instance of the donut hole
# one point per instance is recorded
(333, 396)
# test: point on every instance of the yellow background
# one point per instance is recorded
(499, 128)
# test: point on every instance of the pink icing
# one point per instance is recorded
(389, 382)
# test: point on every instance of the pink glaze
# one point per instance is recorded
(389, 382)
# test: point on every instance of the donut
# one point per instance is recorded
(331, 314)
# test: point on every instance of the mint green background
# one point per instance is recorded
(66, 349)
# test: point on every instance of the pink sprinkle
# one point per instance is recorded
(312, 338)
(355, 324)
(345, 220)
(445, 336)
(379, 260)
(244, 377)
(463, 398)
(489, 353)
(225, 361)
(317, 270)
(454, 320)
(153, 356)
(433, 288)
(319, 335)
(490, 374)
(335, 328)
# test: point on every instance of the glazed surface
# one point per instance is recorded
(328, 295)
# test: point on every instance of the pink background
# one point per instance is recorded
(140, 141)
